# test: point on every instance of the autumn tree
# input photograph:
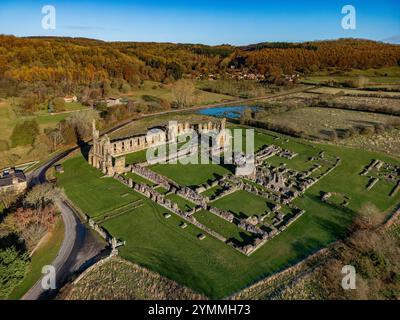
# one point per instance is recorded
(183, 91)
(246, 116)
(58, 104)
(31, 224)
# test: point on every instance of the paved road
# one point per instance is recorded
(80, 247)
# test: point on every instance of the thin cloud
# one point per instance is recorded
(393, 39)
(84, 28)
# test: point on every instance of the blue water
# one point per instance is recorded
(227, 112)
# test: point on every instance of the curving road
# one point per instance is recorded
(80, 247)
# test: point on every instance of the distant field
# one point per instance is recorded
(162, 91)
(387, 142)
(212, 267)
(318, 122)
(328, 90)
(383, 76)
(8, 120)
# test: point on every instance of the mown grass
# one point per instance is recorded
(191, 175)
(225, 228)
(182, 203)
(242, 204)
(93, 194)
(139, 179)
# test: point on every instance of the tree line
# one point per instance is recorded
(47, 66)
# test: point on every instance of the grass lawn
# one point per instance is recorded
(212, 191)
(243, 204)
(139, 179)
(210, 266)
(44, 255)
(182, 203)
(190, 175)
(223, 227)
(135, 157)
(94, 195)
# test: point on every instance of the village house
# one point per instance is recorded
(69, 99)
(13, 181)
(112, 101)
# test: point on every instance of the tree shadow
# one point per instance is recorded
(245, 239)
(306, 246)
(12, 240)
(84, 147)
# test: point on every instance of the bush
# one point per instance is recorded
(4, 145)
(24, 133)
(12, 270)
(59, 104)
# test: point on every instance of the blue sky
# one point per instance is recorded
(208, 22)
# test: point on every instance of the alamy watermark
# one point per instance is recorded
(49, 18)
(49, 278)
(349, 20)
(349, 280)
(200, 147)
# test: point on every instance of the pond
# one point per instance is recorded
(233, 112)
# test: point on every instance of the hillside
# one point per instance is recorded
(71, 63)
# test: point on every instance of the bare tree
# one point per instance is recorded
(183, 91)
(41, 195)
(82, 121)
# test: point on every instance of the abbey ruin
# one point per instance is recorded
(108, 155)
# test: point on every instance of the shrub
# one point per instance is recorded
(59, 104)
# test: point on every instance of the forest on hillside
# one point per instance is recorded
(55, 66)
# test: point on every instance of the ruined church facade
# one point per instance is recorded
(107, 155)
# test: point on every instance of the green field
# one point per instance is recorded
(94, 196)
(210, 266)
(382, 76)
(158, 90)
(8, 120)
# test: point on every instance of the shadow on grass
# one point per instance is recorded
(84, 148)
(245, 239)
(12, 240)
(176, 269)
